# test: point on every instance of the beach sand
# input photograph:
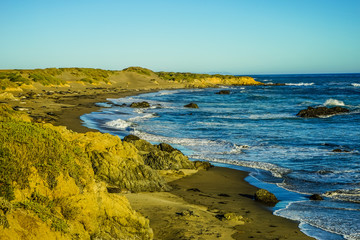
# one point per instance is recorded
(198, 203)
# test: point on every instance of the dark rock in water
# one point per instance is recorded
(166, 147)
(266, 197)
(311, 112)
(140, 104)
(316, 197)
(121, 105)
(274, 84)
(202, 165)
(223, 92)
(191, 105)
(340, 150)
(130, 138)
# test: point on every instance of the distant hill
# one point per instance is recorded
(12, 79)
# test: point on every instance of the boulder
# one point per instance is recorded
(166, 147)
(316, 197)
(223, 92)
(191, 105)
(202, 165)
(130, 138)
(266, 197)
(311, 112)
(162, 156)
(140, 104)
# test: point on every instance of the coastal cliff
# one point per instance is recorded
(57, 184)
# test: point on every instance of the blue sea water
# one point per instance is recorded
(255, 128)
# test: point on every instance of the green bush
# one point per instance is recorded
(139, 70)
(45, 78)
(188, 77)
(12, 79)
(43, 207)
(24, 145)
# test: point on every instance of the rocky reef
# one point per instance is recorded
(162, 156)
(54, 183)
(311, 112)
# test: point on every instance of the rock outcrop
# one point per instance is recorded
(311, 112)
(191, 105)
(266, 197)
(54, 183)
(140, 104)
(202, 165)
(162, 156)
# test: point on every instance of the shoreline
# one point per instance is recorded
(275, 228)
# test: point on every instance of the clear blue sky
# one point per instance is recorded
(238, 37)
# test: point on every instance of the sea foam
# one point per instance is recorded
(299, 84)
(356, 84)
(142, 117)
(275, 170)
(351, 195)
(333, 102)
(118, 124)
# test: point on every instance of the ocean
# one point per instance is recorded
(255, 128)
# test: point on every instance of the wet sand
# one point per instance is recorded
(197, 207)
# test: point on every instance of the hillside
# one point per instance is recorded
(12, 80)
(58, 184)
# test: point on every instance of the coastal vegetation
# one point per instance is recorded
(52, 76)
(139, 70)
(12, 79)
(63, 182)
(206, 80)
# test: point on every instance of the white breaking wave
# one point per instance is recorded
(333, 102)
(173, 140)
(275, 170)
(118, 124)
(270, 116)
(356, 84)
(352, 195)
(299, 84)
(167, 92)
(143, 117)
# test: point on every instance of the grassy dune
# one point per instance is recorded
(61, 76)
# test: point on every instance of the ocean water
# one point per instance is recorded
(255, 128)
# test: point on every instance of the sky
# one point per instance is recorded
(227, 36)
